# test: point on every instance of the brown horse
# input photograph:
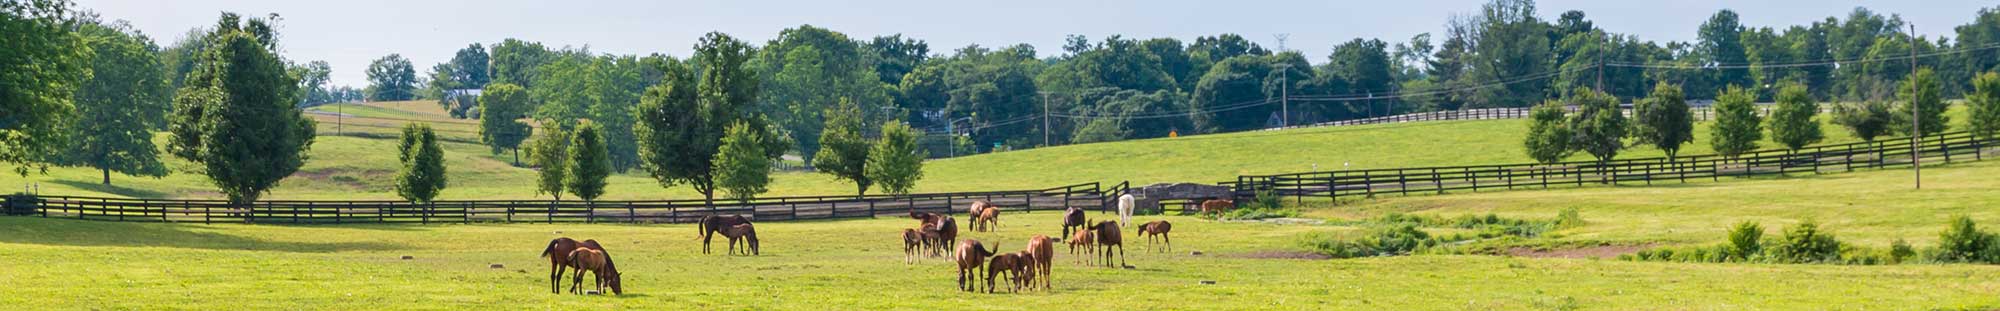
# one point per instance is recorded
(1042, 250)
(970, 256)
(947, 231)
(599, 264)
(1157, 229)
(712, 224)
(978, 206)
(1109, 236)
(558, 255)
(1085, 241)
(986, 219)
(913, 242)
(1010, 264)
(1217, 206)
(1073, 217)
(746, 233)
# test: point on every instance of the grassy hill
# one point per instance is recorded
(359, 161)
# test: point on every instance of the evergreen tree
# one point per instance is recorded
(422, 175)
(236, 116)
(589, 162)
(550, 153)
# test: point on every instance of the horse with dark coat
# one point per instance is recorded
(712, 224)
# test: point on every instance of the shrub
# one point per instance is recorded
(1805, 243)
(1743, 240)
(1391, 240)
(1900, 251)
(1963, 242)
(1569, 218)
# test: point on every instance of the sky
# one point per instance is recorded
(349, 34)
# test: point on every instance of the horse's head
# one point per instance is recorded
(617, 288)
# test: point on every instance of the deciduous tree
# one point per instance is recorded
(843, 149)
(422, 175)
(1664, 119)
(741, 167)
(1737, 127)
(120, 105)
(589, 162)
(236, 115)
(1792, 122)
(896, 162)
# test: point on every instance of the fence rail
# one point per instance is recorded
(1087, 196)
(1940, 148)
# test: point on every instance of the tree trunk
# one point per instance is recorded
(517, 156)
(708, 198)
(107, 176)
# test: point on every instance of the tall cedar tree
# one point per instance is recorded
(589, 162)
(501, 106)
(1925, 99)
(1792, 122)
(121, 104)
(43, 60)
(843, 151)
(1548, 138)
(1598, 128)
(897, 162)
(1664, 119)
(1737, 127)
(1983, 105)
(236, 115)
(422, 175)
(682, 120)
(741, 168)
(550, 153)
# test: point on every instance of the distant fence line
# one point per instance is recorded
(1940, 148)
(1088, 196)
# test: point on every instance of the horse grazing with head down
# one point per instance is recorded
(978, 206)
(986, 219)
(1108, 236)
(1217, 206)
(712, 224)
(1085, 241)
(1073, 217)
(603, 271)
(970, 256)
(1041, 250)
(746, 233)
(1009, 263)
(1157, 229)
(558, 254)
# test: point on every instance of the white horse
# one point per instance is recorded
(1124, 209)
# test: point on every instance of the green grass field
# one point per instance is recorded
(857, 264)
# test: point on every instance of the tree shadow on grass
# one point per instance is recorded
(112, 189)
(66, 232)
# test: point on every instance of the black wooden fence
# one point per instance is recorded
(1446, 115)
(1087, 196)
(1941, 148)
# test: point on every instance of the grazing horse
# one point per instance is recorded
(978, 206)
(1010, 264)
(1073, 217)
(558, 255)
(1108, 236)
(1216, 206)
(986, 219)
(927, 218)
(1124, 209)
(969, 257)
(746, 233)
(1084, 240)
(1157, 229)
(598, 263)
(931, 240)
(712, 224)
(1041, 251)
(913, 242)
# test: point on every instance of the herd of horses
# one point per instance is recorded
(936, 235)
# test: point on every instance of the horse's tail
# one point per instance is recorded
(701, 227)
(551, 249)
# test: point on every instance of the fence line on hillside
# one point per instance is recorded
(1332, 185)
(1086, 196)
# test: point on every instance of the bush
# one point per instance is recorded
(1744, 238)
(1380, 241)
(1963, 242)
(1805, 243)
(1569, 218)
(1900, 251)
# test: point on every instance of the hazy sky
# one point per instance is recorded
(350, 33)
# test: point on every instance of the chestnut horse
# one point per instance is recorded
(978, 206)
(970, 256)
(603, 270)
(1010, 264)
(1216, 206)
(1084, 240)
(1041, 250)
(1108, 236)
(913, 242)
(746, 233)
(1073, 217)
(1157, 229)
(712, 224)
(947, 231)
(986, 219)
(558, 255)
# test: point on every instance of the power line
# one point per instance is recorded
(1913, 56)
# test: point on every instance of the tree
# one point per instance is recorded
(843, 151)
(1867, 120)
(43, 60)
(1598, 127)
(502, 106)
(1983, 104)
(681, 121)
(550, 153)
(1792, 123)
(1510, 42)
(1925, 100)
(805, 71)
(896, 162)
(1737, 127)
(313, 83)
(391, 78)
(1720, 42)
(469, 67)
(589, 162)
(119, 106)
(422, 174)
(514, 61)
(1664, 119)
(236, 115)
(741, 168)
(1548, 138)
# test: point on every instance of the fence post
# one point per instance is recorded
(871, 209)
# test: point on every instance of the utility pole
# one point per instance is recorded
(1045, 119)
(339, 118)
(1284, 92)
(1600, 68)
(1916, 118)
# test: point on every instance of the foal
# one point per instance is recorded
(986, 219)
(913, 242)
(1009, 263)
(970, 256)
(1084, 240)
(603, 271)
(712, 224)
(744, 232)
(1217, 206)
(1157, 229)
(1109, 236)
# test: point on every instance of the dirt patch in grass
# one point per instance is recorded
(1604, 251)
(346, 177)
(1282, 255)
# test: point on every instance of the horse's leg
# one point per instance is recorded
(1121, 255)
(576, 281)
(555, 276)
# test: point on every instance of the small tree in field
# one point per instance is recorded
(1598, 127)
(589, 162)
(1792, 123)
(1867, 120)
(501, 106)
(897, 162)
(1737, 127)
(422, 175)
(1664, 119)
(741, 167)
(1925, 100)
(550, 154)
(1548, 139)
(843, 152)
(1984, 104)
